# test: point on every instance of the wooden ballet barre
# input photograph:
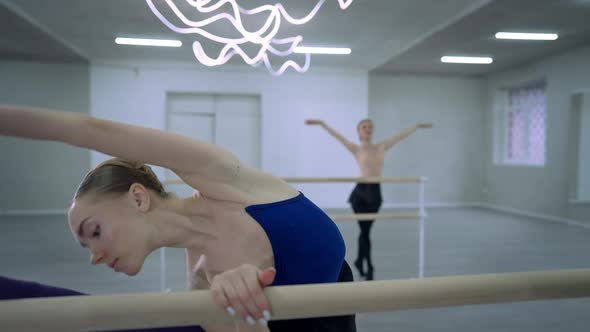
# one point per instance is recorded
(373, 216)
(84, 313)
(372, 179)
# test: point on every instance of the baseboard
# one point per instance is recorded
(56, 212)
(525, 213)
(509, 210)
(579, 202)
(33, 213)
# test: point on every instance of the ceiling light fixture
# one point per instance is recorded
(322, 50)
(467, 59)
(264, 37)
(526, 36)
(148, 42)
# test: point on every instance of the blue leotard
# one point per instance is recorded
(307, 245)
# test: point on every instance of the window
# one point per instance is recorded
(520, 126)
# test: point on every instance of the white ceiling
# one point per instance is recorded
(397, 36)
(474, 35)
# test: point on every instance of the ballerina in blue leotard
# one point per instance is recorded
(254, 229)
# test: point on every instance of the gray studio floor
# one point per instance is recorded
(459, 241)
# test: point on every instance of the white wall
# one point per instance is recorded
(449, 154)
(38, 175)
(137, 94)
(543, 190)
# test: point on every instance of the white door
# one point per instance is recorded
(198, 126)
(584, 151)
(230, 121)
(237, 126)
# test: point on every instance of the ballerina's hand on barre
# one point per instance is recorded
(239, 292)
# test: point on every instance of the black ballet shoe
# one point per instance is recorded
(370, 273)
(359, 266)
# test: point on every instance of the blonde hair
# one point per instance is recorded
(115, 176)
(358, 126)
